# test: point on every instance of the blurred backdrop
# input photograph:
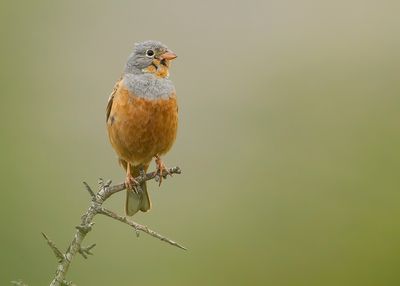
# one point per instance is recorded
(289, 141)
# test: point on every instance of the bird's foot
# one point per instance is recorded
(161, 169)
(130, 183)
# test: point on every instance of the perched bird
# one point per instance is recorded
(142, 117)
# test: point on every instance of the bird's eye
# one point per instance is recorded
(150, 53)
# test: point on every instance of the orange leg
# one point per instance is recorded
(161, 168)
(130, 181)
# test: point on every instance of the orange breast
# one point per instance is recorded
(141, 128)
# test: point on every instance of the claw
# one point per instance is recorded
(130, 182)
(161, 168)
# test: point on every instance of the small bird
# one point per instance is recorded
(142, 118)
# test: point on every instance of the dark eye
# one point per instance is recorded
(150, 53)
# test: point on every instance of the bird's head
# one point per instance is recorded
(150, 57)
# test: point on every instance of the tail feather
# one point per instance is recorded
(139, 199)
(132, 203)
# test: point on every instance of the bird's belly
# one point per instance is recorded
(140, 128)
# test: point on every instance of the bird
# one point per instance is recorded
(142, 118)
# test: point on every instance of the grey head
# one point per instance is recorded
(146, 71)
(146, 54)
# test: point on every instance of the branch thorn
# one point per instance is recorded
(55, 249)
(85, 251)
(89, 189)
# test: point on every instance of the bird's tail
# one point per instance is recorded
(137, 200)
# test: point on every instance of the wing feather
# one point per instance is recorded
(111, 98)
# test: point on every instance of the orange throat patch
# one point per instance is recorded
(159, 69)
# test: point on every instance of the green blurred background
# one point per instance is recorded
(289, 141)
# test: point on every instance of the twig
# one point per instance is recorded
(95, 207)
(89, 189)
(85, 251)
(149, 176)
(55, 249)
(18, 283)
(139, 227)
(67, 283)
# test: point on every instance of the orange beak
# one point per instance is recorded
(169, 55)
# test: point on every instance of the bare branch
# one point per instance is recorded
(86, 225)
(139, 227)
(109, 191)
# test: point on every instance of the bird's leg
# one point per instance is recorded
(160, 169)
(130, 181)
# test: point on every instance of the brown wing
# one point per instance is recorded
(111, 98)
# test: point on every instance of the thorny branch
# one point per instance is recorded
(95, 207)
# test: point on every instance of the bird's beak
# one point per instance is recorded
(168, 55)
